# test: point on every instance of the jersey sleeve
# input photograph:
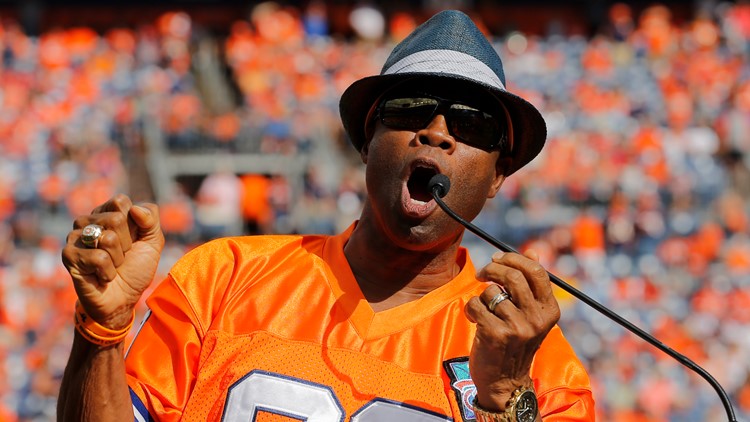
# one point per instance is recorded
(162, 361)
(561, 382)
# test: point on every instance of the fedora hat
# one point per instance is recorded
(447, 48)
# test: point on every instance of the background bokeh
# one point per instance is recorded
(226, 114)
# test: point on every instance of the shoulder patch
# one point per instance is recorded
(461, 383)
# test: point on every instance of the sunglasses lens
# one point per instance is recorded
(473, 126)
(407, 113)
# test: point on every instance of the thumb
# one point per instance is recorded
(146, 217)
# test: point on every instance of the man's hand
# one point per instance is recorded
(507, 339)
(110, 278)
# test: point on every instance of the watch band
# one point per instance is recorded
(483, 415)
(521, 407)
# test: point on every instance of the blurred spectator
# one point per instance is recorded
(368, 22)
(256, 206)
(177, 217)
(217, 204)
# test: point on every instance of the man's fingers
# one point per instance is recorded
(500, 302)
(118, 222)
(114, 223)
(130, 222)
(100, 261)
(112, 215)
(532, 255)
(91, 265)
(530, 290)
(477, 312)
(123, 223)
(118, 203)
(534, 274)
(501, 321)
(503, 309)
(111, 242)
(512, 281)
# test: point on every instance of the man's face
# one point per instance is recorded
(402, 158)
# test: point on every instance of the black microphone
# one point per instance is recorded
(439, 185)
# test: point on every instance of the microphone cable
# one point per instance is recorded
(439, 185)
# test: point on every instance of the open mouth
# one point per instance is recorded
(418, 181)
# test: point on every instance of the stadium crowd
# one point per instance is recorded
(640, 198)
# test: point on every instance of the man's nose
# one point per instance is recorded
(436, 134)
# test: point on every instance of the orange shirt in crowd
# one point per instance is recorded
(255, 204)
(588, 234)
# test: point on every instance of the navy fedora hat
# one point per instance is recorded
(447, 48)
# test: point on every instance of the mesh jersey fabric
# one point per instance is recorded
(276, 328)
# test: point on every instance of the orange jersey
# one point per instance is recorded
(276, 328)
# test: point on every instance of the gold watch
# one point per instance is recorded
(522, 407)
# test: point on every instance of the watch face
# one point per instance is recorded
(526, 407)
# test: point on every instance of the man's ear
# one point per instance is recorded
(501, 166)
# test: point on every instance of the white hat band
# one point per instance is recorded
(447, 61)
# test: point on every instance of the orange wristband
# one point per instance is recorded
(98, 334)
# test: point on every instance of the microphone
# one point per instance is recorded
(439, 185)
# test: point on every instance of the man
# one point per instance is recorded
(386, 321)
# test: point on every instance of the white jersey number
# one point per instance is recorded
(261, 391)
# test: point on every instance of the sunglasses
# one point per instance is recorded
(468, 124)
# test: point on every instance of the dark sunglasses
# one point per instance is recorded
(468, 124)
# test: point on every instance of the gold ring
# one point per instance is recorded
(496, 300)
(90, 235)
